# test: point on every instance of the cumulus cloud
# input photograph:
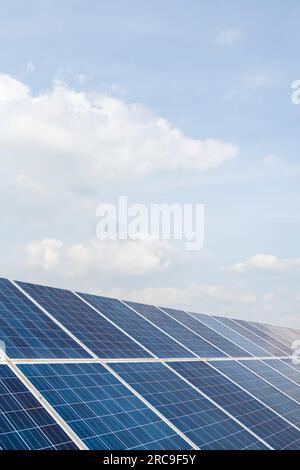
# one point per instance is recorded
(98, 258)
(69, 138)
(266, 262)
(229, 36)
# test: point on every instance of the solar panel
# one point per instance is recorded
(286, 368)
(266, 371)
(266, 336)
(187, 338)
(220, 327)
(288, 334)
(261, 389)
(100, 409)
(225, 347)
(270, 427)
(272, 333)
(85, 371)
(99, 335)
(24, 423)
(148, 335)
(203, 422)
(270, 350)
(28, 333)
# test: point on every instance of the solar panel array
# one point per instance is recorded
(81, 371)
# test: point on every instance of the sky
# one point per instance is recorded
(164, 102)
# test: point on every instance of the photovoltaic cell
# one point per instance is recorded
(270, 331)
(208, 334)
(24, 423)
(265, 370)
(99, 335)
(194, 343)
(100, 409)
(233, 336)
(198, 418)
(249, 411)
(148, 335)
(285, 368)
(292, 364)
(266, 337)
(252, 337)
(27, 332)
(226, 404)
(289, 334)
(261, 389)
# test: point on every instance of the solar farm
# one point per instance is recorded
(80, 371)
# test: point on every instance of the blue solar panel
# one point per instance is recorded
(98, 334)
(292, 364)
(265, 370)
(208, 334)
(252, 337)
(199, 419)
(27, 332)
(261, 389)
(194, 343)
(24, 423)
(266, 337)
(287, 333)
(253, 414)
(100, 409)
(148, 335)
(244, 397)
(222, 329)
(285, 367)
(272, 333)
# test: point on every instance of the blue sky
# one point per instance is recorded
(219, 70)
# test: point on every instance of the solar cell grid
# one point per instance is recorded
(266, 336)
(270, 331)
(266, 371)
(100, 409)
(248, 410)
(186, 337)
(261, 389)
(218, 404)
(99, 335)
(148, 335)
(285, 368)
(27, 332)
(224, 345)
(289, 334)
(226, 332)
(252, 337)
(24, 423)
(200, 420)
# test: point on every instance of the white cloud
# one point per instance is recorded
(11, 91)
(266, 262)
(99, 258)
(229, 36)
(70, 139)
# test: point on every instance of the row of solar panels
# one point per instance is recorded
(44, 322)
(221, 404)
